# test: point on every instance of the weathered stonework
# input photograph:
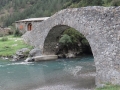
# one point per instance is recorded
(4, 31)
(100, 26)
(23, 25)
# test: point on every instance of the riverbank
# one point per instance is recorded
(11, 45)
(110, 87)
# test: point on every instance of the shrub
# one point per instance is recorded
(115, 3)
(4, 39)
(17, 33)
(26, 53)
(85, 42)
(65, 39)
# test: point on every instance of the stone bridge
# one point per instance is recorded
(100, 26)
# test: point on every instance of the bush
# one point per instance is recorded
(115, 3)
(65, 39)
(4, 39)
(17, 33)
(85, 42)
(26, 53)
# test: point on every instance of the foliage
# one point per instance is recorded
(4, 38)
(36, 8)
(110, 87)
(76, 36)
(17, 33)
(65, 40)
(85, 42)
(115, 2)
(73, 40)
(12, 29)
(14, 10)
(26, 53)
(8, 48)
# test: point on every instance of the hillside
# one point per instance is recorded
(13, 10)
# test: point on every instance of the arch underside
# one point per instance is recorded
(53, 38)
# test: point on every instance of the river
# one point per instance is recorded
(62, 74)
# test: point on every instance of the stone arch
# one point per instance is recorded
(51, 36)
(100, 26)
(52, 39)
(29, 26)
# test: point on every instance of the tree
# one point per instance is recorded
(74, 41)
(115, 3)
(65, 40)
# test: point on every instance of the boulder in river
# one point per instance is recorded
(41, 58)
(45, 58)
(35, 52)
(70, 55)
(29, 59)
(20, 54)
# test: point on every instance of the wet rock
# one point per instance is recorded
(29, 59)
(20, 54)
(70, 55)
(35, 52)
(45, 57)
(15, 58)
(61, 56)
(23, 52)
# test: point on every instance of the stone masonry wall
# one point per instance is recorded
(100, 26)
(23, 26)
(4, 31)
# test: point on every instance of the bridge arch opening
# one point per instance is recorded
(81, 48)
(64, 39)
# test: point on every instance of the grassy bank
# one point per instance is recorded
(10, 46)
(110, 87)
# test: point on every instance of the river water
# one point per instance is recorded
(62, 74)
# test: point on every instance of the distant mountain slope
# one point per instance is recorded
(13, 10)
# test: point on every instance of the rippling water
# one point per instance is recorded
(62, 74)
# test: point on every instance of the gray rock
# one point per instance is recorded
(61, 56)
(29, 59)
(22, 51)
(20, 54)
(15, 58)
(35, 52)
(45, 58)
(70, 55)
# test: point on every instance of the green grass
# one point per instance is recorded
(110, 87)
(9, 47)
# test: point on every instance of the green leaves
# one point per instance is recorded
(14, 10)
(73, 40)
(74, 35)
(4, 38)
(65, 39)
(115, 2)
(85, 42)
